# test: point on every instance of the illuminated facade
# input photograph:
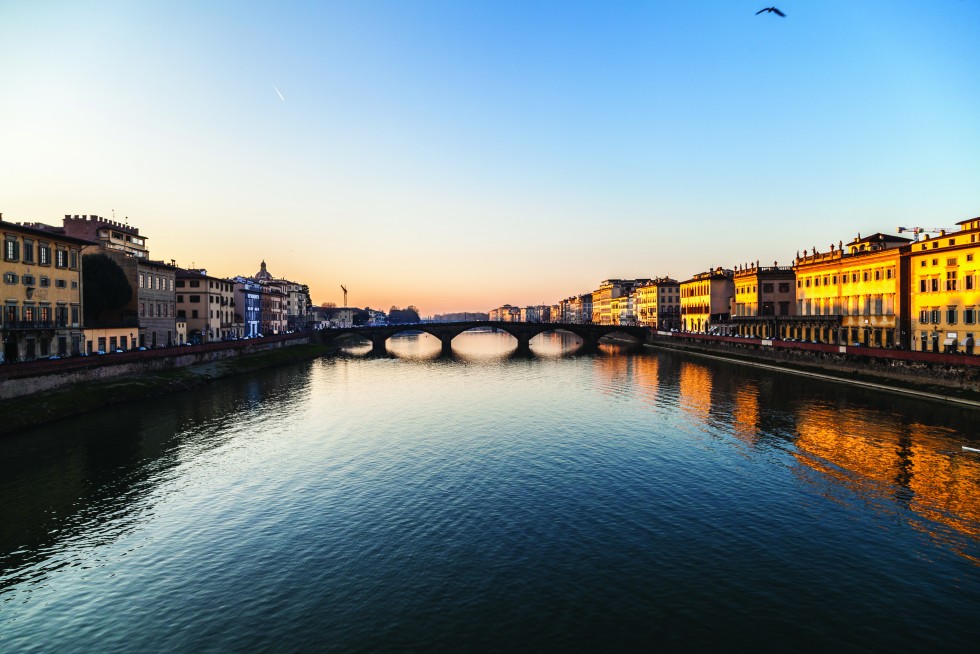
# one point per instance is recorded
(853, 294)
(658, 303)
(706, 301)
(944, 294)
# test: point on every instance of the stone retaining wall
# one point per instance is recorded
(19, 379)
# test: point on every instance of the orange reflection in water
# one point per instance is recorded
(694, 386)
(920, 466)
(646, 378)
(745, 412)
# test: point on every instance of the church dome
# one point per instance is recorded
(263, 273)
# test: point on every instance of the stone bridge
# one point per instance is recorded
(522, 331)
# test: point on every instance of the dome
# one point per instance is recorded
(263, 273)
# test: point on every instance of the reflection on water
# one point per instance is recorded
(487, 498)
(879, 456)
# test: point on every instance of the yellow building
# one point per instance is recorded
(944, 294)
(41, 293)
(658, 303)
(853, 293)
(106, 340)
(706, 301)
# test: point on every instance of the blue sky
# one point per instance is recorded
(459, 155)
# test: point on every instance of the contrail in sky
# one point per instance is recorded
(280, 94)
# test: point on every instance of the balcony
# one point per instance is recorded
(31, 324)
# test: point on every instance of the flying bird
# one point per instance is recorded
(277, 91)
(771, 10)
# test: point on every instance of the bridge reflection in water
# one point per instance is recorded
(523, 332)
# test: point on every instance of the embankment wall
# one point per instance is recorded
(20, 379)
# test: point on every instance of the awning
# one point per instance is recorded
(949, 341)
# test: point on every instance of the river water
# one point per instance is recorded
(489, 501)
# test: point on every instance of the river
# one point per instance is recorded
(488, 501)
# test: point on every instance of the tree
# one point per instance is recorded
(401, 316)
(104, 284)
(360, 317)
(329, 305)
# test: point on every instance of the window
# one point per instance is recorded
(877, 275)
(73, 260)
(45, 282)
(951, 261)
(950, 280)
(60, 283)
(864, 276)
(141, 280)
(194, 313)
(44, 254)
(28, 280)
(934, 316)
(61, 258)
(784, 287)
(922, 264)
(180, 298)
(28, 251)
(142, 309)
(934, 284)
(935, 262)
(11, 249)
(171, 284)
(969, 257)
(74, 315)
(195, 283)
(970, 316)
(767, 288)
(969, 282)
(180, 283)
(924, 316)
(74, 284)
(922, 286)
(195, 299)
(951, 315)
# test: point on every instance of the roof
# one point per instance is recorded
(50, 232)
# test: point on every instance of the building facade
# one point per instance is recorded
(41, 293)
(765, 298)
(207, 305)
(944, 297)
(248, 306)
(854, 294)
(151, 311)
(706, 301)
(658, 304)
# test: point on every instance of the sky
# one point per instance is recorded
(458, 155)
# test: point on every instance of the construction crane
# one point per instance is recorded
(925, 230)
(344, 289)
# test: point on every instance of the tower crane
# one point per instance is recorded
(925, 230)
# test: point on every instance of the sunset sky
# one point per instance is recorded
(460, 155)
